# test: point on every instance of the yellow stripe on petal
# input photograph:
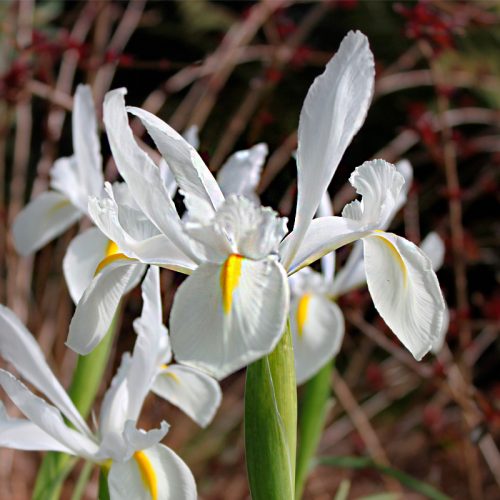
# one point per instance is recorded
(302, 309)
(229, 279)
(148, 474)
(396, 255)
(112, 255)
(170, 374)
(58, 206)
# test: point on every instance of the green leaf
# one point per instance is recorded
(367, 463)
(87, 379)
(271, 423)
(312, 414)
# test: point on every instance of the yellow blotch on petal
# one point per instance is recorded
(396, 255)
(148, 474)
(229, 279)
(302, 309)
(112, 254)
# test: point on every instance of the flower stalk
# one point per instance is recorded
(271, 423)
(312, 414)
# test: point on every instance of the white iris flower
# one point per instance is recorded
(232, 309)
(73, 180)
(139, 467)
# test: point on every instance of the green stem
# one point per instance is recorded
(83, 479)
(312, 414)
(271, 423)
(87, 379)
(103, 485)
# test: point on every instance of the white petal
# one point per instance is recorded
(352, 275)
(191, 134)
(139, 439)
(134, 237)
(190, 171)
(86, 143)
(143, 177)
(65, 178)
(21, 434)
(224, 318)
(405, 290)
(42, 220)
(334, 109)
(241, 172)
(195, 393)
(157, 473)
(325, 209)
(433, 246)
(82, 257)
(440, 339)
(97, 307)
(405, 168)
(18, 347)
(379, 183)
(324, 235)
(318, 330)
(46, 417)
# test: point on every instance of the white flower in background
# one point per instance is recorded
(194, 392)
(232, 309)
(139, 467)
(73, 179)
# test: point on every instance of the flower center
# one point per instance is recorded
(112, 254)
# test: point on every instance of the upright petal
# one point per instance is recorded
(241, 172)
(86, 141)
(226, 316)
(143, 177)
(17, 346)
(433, 246)
(65, 178)
(197, 394)
(325, 209)
(380, 184)
(190, 171)
(334, 109)
(153, 474)
(47, 417)
(97, 307)
(405, 290)
(42, 220)
(318, 330)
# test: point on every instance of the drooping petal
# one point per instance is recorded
(226, 316)
(143, 177)
(440, 339)
(195, 393)
(153, 474)
(86, 143)
(405, 290)
(42, 220)
(17, 346)
(318, 330)
(47, 417)
(379, 183)
(433, 246)
(21, 434)
(324, 235)
(190, 171)
(241, 172)
(97, 307)
(82, 257)
(334, 109)
(134, 235)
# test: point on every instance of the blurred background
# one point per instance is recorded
(240, 71)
